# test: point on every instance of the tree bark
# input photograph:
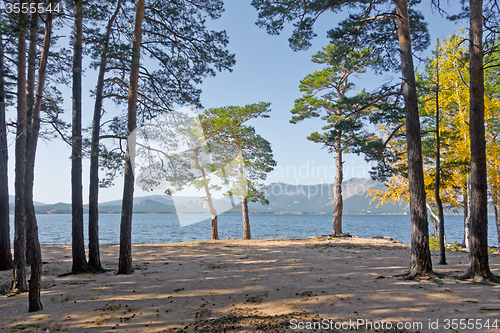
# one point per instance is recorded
(30, 84)
(94, 253)
(19, 278)
(33, 132)
(213, 212)
(478, 254)
(246, 219)
(421, 263)
(5, 250)
(125, 260)
(78, 243)
(467, 197)
(497, 215)
(437, 183)
(337, 192)
(30, 101)
(244, 198)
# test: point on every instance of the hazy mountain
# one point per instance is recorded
(283, 198)
(12, 199)
(143, 207)
(164, 199)
(287, 198)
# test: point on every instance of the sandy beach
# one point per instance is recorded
(256, 286)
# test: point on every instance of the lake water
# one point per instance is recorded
(165, 228)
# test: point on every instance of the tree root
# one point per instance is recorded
(416, 276)
(99, 270)
(345, 234)
(15, 292)
(487, 278)
(86, 271)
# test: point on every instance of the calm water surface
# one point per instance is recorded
(165, 228)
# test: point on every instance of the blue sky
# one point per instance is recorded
(266, 70)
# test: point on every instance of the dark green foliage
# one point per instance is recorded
(181, 52)
(391, 29)
(226, 125)
(372, 25)
(302, 14)
(325, 96)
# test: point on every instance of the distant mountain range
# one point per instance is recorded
(283, 199)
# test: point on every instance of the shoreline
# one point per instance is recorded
(248, 285)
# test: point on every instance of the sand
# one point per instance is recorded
(255, 286)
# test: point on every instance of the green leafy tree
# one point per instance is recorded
(390, 28)
(325, 95)
(200, 162)
(255, 161)
(174, 35)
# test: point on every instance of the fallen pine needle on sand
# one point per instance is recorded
(250, 286)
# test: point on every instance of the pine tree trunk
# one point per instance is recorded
(337, 192)
(213, 212)
(78, 243)
(213, 224)
(125, 260)
(5, 251)
(437, 183)
(19, 279)
(246, 219)
(94, 252)
(497, 216)
(34, 249)
(478, 255)
(30, 84)
(421, 263)
(213, 221)
(467, 199)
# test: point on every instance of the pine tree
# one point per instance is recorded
(19, 279)
(184, 53)
(94, 253)
(78, 244)
(5, 249)
(325, 92)
(255, 159)
(125, 259)
(370, 28)
(478, 255)
(33, 130)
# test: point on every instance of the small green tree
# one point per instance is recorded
(174, 146)
(325, 95)
(197, 164)
(226, 125)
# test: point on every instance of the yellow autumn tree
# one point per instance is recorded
(492, 110)
(453, 105)
(447, 76)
